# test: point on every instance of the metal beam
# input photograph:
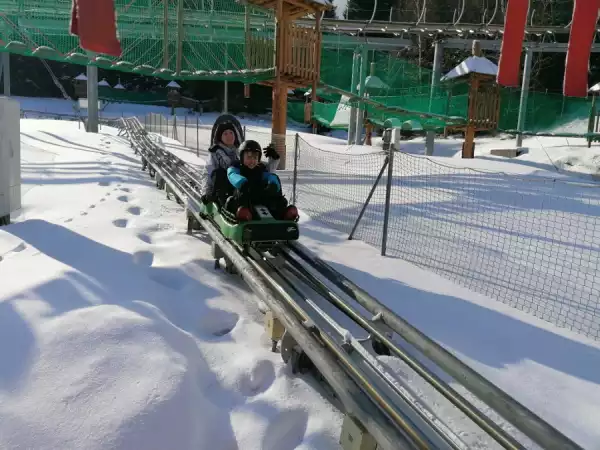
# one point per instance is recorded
(495, 45)
(466, 29)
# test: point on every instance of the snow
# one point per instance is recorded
(116, 332)
(473, 64)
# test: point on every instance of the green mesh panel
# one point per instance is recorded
(213, 42)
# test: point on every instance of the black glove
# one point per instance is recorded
(270, 152)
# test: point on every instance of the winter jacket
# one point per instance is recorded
(240, 175)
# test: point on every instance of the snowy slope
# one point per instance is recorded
(115, 330)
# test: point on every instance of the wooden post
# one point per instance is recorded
(468, 149)
(279, 89)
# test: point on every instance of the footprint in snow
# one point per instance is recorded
(143, 258)
(123, 198)
(286, 430)
(120, 223)
(134, 210)
(19, 248)
(144, 238)
(259, 379)
(217, 322)
(169, 278)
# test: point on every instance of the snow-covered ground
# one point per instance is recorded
(117, 333)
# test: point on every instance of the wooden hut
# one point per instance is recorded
(483, 111)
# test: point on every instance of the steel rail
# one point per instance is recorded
(417, 426)
(533, 426)
(483, 421)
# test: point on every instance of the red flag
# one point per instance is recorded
(509, 64)
(94, 21)
(583, 28)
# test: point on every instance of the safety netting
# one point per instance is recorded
(210, 33)
(226, 40)
(403, 90)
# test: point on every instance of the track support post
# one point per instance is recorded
(274, 328)
(355, 437)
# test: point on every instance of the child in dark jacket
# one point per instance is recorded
(253, 182)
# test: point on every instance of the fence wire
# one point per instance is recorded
(529, 242)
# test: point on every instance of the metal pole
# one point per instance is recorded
(296, 157)
(388, 191)
(524, 95)
(226, 87)
(6, 72)
(353, 109)
(438, 59)
(361, 93)
(166, 34)
(368, 200)
(179, 36)
(92, 97)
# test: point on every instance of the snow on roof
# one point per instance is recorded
(473, 64)
(373, 82)
(81, 77)
(104, 83)
(173, 84)
(119, 86)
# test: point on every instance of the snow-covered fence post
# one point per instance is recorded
(395, 132)
(296, 156)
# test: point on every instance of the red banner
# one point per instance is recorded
(509, 64)
(94, 21)
(583, 28)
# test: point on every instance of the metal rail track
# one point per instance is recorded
(387, 407)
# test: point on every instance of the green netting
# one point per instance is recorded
(212, 34)
(295, 111)
(124, 96)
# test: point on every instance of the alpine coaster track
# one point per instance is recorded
(326, 324)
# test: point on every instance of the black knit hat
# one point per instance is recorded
(221, 128)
